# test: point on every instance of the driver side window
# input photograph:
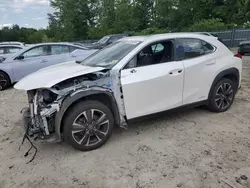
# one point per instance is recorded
(35, 52)
(161, 52)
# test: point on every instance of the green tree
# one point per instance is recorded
(208, 25)
(142, 13)
(123, 17)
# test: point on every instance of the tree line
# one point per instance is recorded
(75, 20)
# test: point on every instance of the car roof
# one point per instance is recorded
(57, 43)
(54, 43)
(244, 42)
(149, 38)
(10, 45)
(116, 35)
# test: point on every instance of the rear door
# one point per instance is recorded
(199, 62)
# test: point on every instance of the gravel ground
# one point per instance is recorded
(191, 148)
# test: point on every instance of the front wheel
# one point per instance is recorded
(222, 96)
(4, 81)
(88, 125)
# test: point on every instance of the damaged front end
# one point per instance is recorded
(39, 118)
(47, 106)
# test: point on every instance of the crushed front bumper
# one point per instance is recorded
(37, 128)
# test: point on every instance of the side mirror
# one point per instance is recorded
(21, 57)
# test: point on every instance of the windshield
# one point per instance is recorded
(111, 55)
(103, 40)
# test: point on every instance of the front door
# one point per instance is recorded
(32, 60)
(156, 86)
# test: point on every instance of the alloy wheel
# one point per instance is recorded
(90, 127)
(3, 82)
(224, 96)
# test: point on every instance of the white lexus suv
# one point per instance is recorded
(81, 102)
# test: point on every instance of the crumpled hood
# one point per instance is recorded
(52, 75)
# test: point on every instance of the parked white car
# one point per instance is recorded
(18, 65)
(136, 76)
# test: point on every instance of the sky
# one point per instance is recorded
(25, 13)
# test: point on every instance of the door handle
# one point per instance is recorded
(211, 62)
(133, 71)
(175, 72)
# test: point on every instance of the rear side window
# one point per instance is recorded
(59, 49)
(208, 48)
(1, 50)
(191, 48)
(72, 48)
(14, 50)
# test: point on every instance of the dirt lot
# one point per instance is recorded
(192, 148)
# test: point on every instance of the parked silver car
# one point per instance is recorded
(8, 50)
(37, 57)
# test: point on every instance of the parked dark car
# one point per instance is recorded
(106, 40)
(244, 47)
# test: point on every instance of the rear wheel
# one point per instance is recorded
(4, 80)
(222, 96)
(88, 125)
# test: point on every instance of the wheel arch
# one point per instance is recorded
(8, 76)
(231, 73)
(5, 72)
(104, 97)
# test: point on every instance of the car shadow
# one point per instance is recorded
(136, 127)
(159, 120)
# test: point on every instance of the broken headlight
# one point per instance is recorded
(48, 96)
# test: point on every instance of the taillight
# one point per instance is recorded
(238, 55)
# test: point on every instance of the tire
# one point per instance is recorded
(222, 96)
(85, 133)
(241, 50)
(4, 80)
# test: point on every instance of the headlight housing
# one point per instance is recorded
(48, 96)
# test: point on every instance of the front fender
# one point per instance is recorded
(75, 96)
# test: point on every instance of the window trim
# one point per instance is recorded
(183, 59)
(174, 41)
